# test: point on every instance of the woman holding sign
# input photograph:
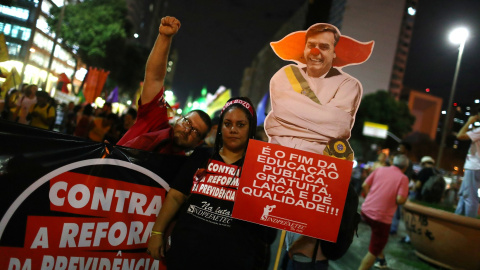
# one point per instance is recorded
(205, 235)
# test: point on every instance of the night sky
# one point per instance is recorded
(218, 39)
(432, 58)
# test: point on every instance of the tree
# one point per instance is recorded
(90, 25)
(380, 107)
(98, 30)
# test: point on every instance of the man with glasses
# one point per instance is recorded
(151, 131)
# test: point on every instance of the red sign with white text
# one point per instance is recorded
(292, 190)
(112, 216)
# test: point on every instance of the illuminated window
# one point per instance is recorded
(15, 31)
(14, 48)
(6, 28)
(43, 42)
(46, 6)
(16, 12)
(39, 59)
(43, 26)
(59, 3)
(21, 32)
(61, 68)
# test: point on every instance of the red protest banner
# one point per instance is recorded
(292, 190)
(70, 206)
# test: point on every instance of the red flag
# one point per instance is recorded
(62, 83)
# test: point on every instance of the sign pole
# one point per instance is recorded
(279, 250)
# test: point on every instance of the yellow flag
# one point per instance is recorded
(3, 49)
(13, 80)
(218, 103)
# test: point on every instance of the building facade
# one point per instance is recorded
(389, 24)
(32, 47)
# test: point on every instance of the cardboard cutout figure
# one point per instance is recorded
(314, 103)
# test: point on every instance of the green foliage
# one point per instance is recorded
(380, 107)
(90, 25)
(98, 29)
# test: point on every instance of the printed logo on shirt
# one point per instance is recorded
(211, 214)
(219, 181)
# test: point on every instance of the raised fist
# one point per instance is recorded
(169, 26)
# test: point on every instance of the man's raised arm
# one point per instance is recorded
(156, 68)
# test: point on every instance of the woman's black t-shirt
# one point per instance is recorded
(205, 235)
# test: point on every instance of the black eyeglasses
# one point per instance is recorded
(190, 129)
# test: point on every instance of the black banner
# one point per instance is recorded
(68, 203)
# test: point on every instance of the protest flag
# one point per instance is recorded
(3, 49)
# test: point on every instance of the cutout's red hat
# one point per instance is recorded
(348, 51)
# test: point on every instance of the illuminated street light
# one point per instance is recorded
(457, 36)
(411, 11)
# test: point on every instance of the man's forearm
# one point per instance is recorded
(156, 68)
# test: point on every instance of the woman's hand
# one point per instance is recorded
(156, 246)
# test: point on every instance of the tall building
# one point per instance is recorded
(396, 87)
(382, 22)
(365, 20)
(145, 17)
(32, 48)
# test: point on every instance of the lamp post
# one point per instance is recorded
(457, 36)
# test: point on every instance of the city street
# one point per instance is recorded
(400, 256)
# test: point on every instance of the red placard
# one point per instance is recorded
(292, 190)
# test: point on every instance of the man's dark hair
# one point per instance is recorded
(407, 145)
(112, 116)
(206, 119)
(320, 28)
(42, 94)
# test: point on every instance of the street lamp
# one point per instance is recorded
(457, 36)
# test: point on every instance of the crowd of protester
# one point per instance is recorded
(386, 184)
(29, 105)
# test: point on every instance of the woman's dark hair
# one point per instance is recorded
(252, 121)
(88, 110)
